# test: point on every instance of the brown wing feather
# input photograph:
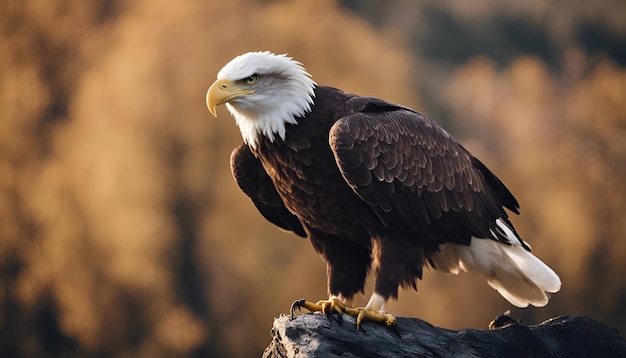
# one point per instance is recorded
(254, 181)
(415, 176)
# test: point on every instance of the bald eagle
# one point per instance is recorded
(373, 185)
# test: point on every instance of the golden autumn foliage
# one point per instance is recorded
(122, 232)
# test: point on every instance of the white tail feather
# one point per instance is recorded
(518, 275)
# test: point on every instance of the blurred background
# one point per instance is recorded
(123, 234)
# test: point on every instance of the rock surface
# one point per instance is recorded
(316, 335)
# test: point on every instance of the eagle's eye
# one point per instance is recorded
(251, 80)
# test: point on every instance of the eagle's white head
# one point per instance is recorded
(263, 91)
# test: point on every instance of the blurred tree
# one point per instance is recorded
(40, 68)
(454, 31)
(121, 228)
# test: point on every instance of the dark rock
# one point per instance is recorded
(316, 335)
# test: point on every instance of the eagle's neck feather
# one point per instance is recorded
(269, 119)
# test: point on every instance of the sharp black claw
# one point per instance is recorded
(335, 316)
(339, 318)
(502, 321)
(297, 304)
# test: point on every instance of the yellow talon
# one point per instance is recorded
(331, 305)
(374, 316)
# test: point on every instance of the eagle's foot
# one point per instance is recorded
(331, 305)
(335, 305)
(372, 315)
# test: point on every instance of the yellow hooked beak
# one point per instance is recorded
(222, 91)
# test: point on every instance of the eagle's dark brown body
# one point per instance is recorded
(371, 182)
